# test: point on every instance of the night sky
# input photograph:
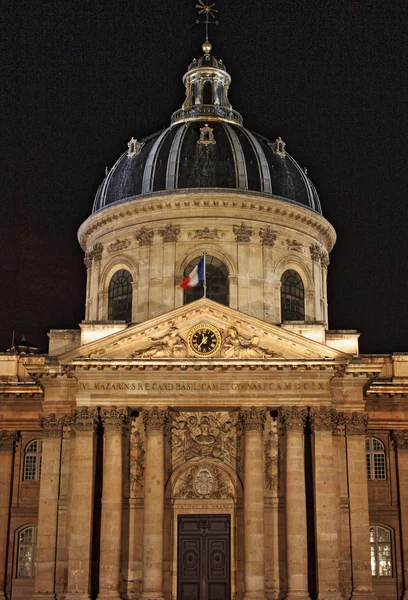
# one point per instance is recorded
(79, 78)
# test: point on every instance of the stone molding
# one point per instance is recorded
(114, 419)
(242, 233)
(293, 418)
(400, 439)
(83, 419)
(51, 425)
(356, 423)
(144, 236)
(322, 418)
(8, 439)
(170, 233)
(252, 419)
(154, 419)
(268, 236)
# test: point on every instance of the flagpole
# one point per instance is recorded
(205, 277)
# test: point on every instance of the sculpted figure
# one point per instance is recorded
(238, 346)
(169, 345)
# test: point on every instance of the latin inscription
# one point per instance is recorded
(142, 387)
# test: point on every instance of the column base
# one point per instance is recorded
(330, 596)
(44, 596)
(151, 596)
(297, 595)
(109, 596)
(254, 596)
(77, 596)
(363, 595)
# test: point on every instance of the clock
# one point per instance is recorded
(204, 339)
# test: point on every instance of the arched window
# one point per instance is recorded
(27, 539)
(381, 555)
(120, 296)
(207, 93)
(375, 459)
(216, 279)
(32, 461)
(292, 297)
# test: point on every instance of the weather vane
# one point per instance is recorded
(209, 11)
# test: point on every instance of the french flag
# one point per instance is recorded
(196, 275)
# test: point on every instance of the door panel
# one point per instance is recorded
(203, 562)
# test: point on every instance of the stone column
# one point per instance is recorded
(253, 420)
(114, 421)
(327, 504)
(400, 439)
(153, 512)
(8, 440)
(356, 425)
(293, 421)
(48, 507)
(81, 503)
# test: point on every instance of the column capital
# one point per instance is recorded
(356, 423)
(114, 419)
(339, 423)
(51, 425)
(83, 419)
(253, 419)
(154, 419)
(400, 439)
(322, 418)
(8, 439)
(293, 418)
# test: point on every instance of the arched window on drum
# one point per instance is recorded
(120, 296)
(216, 280)
(292, 297)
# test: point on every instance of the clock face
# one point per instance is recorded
(204, 339)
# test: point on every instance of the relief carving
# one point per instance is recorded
(144, 236)
(205, 234)
(339, 423)
(137, 457)
(400, 439)
(271, 450)
(154, 419)
(236, 345)
(242, 232)
(268, 236)
(94, 254)
(51, 425)
(83, 419)
(356, 423)
(118, 245)
(253, 419)
(114, 419)
(324, 259)
(315, 252)
(8, 439)
(169, 345)
(202, 435)
(170, 233)
(322, 418)
(294, 245)
(293, 418)
(203, 481)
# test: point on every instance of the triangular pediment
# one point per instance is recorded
(236, 336)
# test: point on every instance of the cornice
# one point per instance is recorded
(387, 389)
(177, 204)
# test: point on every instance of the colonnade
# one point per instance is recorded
(83, 421)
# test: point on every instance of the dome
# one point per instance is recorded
(206, 146)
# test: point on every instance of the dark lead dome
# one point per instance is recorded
(206, 146)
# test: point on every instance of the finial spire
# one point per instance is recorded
(209, 11)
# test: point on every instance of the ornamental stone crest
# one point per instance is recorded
(144, 236)
(205, 234)
(51, 425)
(199, 435)
(293, 418)
(8, 439)
(83, 419)
(236, 345)
(154, 419)
(321, 418)
(253, 419)
(400, 439)
(134, 147)
(204, 481)
(268, 236)
(356, 423)
(242, 233)
(170, 233)
(114, 419)
(118, 246)
(206, 135)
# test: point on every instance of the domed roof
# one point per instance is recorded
(206, 146)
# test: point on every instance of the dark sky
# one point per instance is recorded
(79, 78)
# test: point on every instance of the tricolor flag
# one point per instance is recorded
(196, 276)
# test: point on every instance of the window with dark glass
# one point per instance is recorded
(216, 280)
(375, 459)
(381, 555)
(120, 297)
(292, 297)
(32, 461)
(26, 552)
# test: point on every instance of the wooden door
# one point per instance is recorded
(203, 561)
